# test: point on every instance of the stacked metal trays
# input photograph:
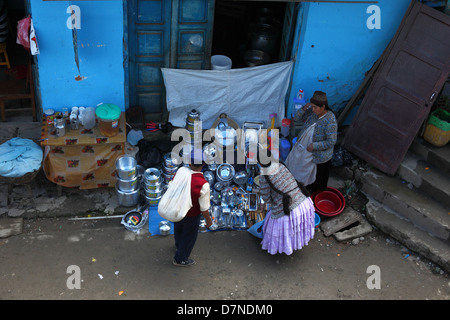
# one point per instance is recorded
(153, 186)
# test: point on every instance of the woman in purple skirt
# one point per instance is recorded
(289, 225)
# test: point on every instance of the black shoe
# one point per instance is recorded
(186, 263)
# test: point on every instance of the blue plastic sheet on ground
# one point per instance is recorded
(153, 221)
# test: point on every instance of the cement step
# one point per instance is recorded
(438, 157)
(408, 202)
(426, 177)
(414, 238)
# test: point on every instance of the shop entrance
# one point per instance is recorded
(185, 34)
(251, 32)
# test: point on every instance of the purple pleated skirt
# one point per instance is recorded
(289, 233)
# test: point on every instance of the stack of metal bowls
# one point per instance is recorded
(170, 167)
(153, 186)
(127, 185)
(192, 117)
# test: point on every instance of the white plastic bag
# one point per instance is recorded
(299, 161)
(176, 201)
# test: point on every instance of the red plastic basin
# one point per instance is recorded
(328, 203)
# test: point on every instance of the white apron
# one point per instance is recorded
(299, 161)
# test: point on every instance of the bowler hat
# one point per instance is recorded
(319, 98)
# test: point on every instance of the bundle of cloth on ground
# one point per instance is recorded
(18, 157)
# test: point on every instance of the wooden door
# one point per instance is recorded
(164, 34)
(415, 67)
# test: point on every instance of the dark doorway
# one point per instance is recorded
(241, 26)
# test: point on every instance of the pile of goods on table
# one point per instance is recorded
(235, 200)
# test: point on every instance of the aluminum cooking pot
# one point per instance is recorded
(152, 176)
(154, 194)
(127, 185)
(126, 167)
(152, 202)
(169, 170)
(127, 199)
(164, 227)
(154, 186)
(170, 162)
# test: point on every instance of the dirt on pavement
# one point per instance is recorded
(115, 263)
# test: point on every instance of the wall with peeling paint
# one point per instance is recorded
(99, 45)
(337, 44)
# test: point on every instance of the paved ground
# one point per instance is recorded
(114, 263)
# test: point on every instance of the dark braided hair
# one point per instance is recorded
(286, 198)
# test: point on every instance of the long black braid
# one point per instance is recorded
(286, 198)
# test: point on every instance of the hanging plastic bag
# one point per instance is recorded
(33, 41)
(176, 201)
(23, 36)
(257, 229)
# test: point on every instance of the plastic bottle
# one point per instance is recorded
(285, 147)
(299, 101)
(73, 121)
(81, 111)
(285, 127)
(74, 118)
(89, 118)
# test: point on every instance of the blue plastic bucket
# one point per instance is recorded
(316, 219)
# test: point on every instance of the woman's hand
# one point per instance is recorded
(207, 218)
(309, 147)
(306, 106)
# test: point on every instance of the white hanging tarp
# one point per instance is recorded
(247, 94)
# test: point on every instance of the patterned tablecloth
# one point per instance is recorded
(82, 158)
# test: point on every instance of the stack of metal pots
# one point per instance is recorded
(192, 125)
(153, 186)
(170, 167)
(127, 185)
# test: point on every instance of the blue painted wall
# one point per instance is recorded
(100, 52)
(334, 48)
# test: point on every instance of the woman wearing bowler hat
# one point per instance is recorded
(310, 158)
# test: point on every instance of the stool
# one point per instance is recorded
(13, 89)
(3, 50)
(25, 180)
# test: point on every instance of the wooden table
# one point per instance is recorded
(82, 158)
